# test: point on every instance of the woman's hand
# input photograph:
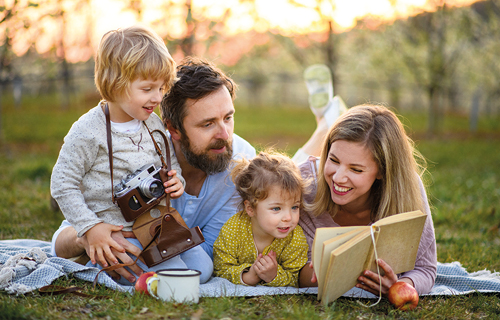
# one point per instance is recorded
(174, 186)
(370, 281)
(307, 276)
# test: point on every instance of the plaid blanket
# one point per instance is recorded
(26, 265)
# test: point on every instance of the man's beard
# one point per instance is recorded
(203, 161)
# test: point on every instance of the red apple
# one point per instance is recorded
(141, 284)
(403, 296)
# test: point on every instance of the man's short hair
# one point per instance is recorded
(196, 79)
(125, 55)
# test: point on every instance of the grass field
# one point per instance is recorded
(464, 189)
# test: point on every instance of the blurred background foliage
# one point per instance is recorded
(436, 59)
(435, 63)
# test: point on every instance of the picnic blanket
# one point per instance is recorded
(26, 265)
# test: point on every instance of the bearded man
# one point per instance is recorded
(199, 115)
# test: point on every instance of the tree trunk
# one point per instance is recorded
(331, 57)
(395, 91)
(187, 44)
(434, 112)
(66, 89)
(1, 116)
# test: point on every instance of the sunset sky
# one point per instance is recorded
(92, 21)
(278, 13)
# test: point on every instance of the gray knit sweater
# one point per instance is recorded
(81, 182)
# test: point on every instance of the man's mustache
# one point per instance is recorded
(218, 144)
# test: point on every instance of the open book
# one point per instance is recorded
(341, 254)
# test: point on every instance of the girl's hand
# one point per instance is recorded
(250, 277)
(266, 267)
(370, 282)
(174, 185)
(100, 243)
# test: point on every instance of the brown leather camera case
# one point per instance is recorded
(174, 235)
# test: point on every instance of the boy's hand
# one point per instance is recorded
(266, 267)
(100, 244)
(174, 185)
(125, 258)
(119, 237)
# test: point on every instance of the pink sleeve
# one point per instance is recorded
(424, 274)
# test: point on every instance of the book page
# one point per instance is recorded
(398, 241)
(330, 245)
(322, 235)
(346, 265)
(400, 217)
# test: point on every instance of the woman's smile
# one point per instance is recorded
(340, 190)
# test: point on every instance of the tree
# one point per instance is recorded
(13, 21)
(485, 32)
(326, 42)
(431, 44)
(191, 29)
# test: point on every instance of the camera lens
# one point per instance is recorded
(152, 188)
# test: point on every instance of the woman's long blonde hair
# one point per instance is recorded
(399, 163)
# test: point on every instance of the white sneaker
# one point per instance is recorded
(319, 85)
(318, 80)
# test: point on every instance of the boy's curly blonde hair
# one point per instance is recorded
(125, 55)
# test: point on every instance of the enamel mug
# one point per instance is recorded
(177, 285)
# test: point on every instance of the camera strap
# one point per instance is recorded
(166, 164)
(158, 149)
(110, 148)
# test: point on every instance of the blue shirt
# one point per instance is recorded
(217, 201)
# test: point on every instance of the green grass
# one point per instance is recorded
(286, 129)
(464, 192)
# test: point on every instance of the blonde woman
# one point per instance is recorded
(369, 170)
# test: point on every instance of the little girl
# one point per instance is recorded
(263, 244)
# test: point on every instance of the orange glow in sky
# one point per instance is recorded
(277, 14)
(85, 24)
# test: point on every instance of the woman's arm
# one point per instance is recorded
(424, 274)
(307, 277)
(425, 271)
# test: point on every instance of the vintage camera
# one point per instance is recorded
(139, 191)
